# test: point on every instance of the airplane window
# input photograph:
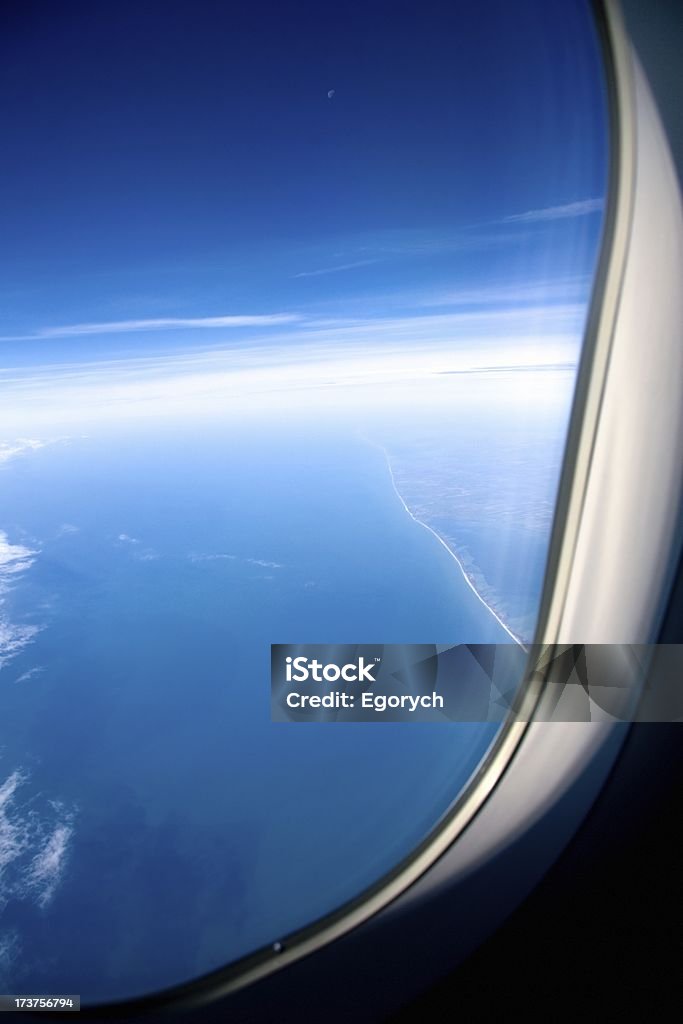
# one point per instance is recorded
(293, 299)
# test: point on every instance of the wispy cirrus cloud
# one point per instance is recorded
(576, 209)
(403, 245)
(336, 269)
(539, 293)
(400, 245)
(156, 324)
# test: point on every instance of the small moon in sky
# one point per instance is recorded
(330, 94)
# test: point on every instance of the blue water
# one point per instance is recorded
(198, 830)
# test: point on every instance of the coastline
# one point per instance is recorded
(444, 544)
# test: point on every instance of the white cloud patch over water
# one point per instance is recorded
(34, 845)
(66, 529)
(139, 553)
(15, 560)
(10, 947)
(47, 865)
(220, 557)
(212, 558)
(22, 445)
(29, 674)
(9, 449)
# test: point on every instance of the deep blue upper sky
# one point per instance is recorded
(183, 160)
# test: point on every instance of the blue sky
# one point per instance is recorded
(178, 184)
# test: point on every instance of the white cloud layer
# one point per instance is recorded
(331, 362)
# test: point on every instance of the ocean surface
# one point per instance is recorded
(154, 824)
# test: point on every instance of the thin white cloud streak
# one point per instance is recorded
(577, 209)
(30, 673)
(455, 330)
(159, 324)
(472, 236)
(464, 238)
(399, 245)
(532, 293)
(335, 270)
